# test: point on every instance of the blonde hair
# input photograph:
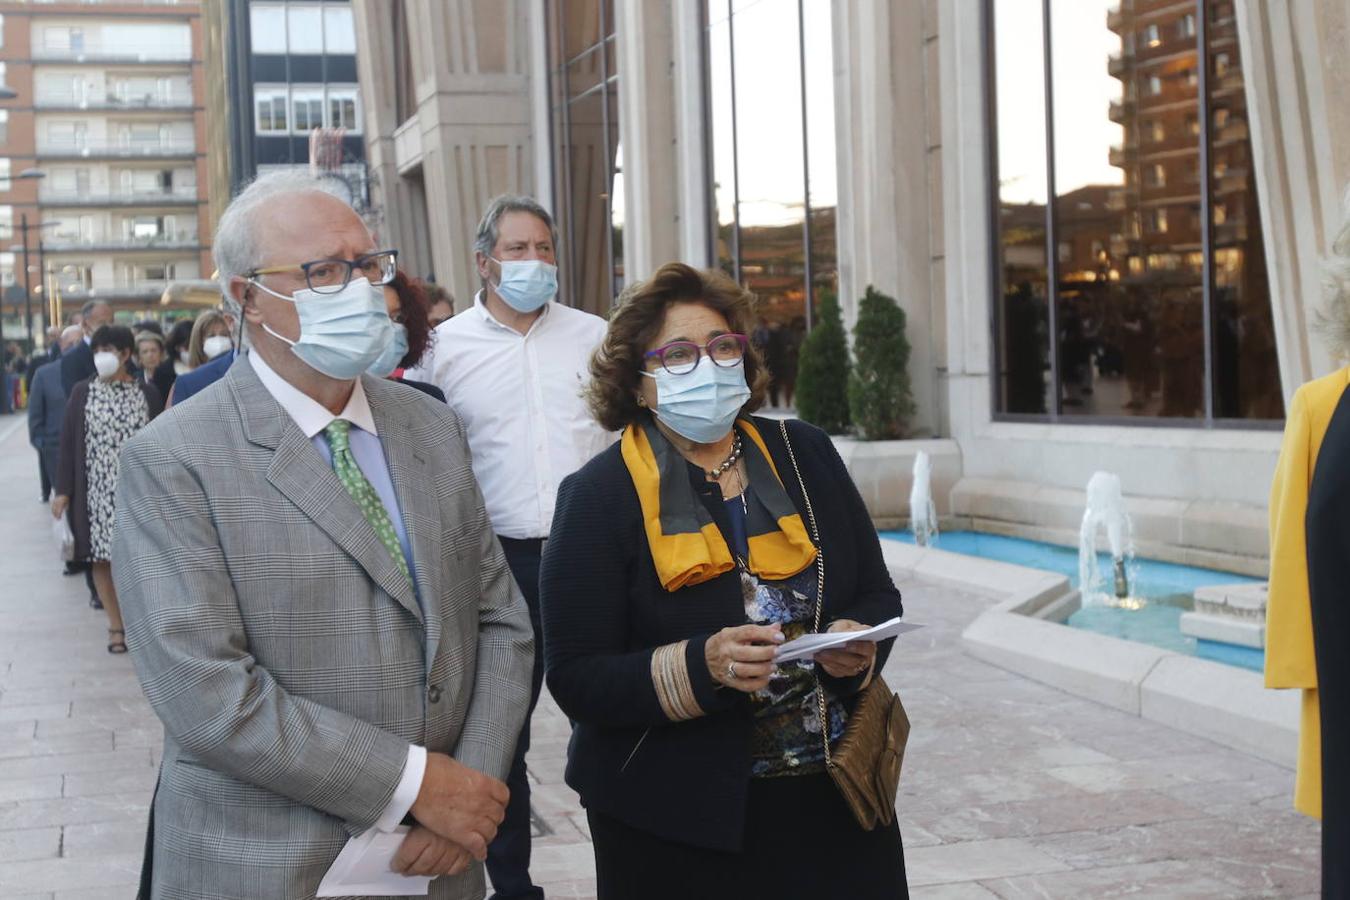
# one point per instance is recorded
(196, 355)
(1332, 321)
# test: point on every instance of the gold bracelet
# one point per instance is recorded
(670, 677)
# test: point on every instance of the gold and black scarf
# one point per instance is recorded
(687, 546)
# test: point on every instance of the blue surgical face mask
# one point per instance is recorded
(392, 355)
(342, 333)
(701, 405)
(526, 284)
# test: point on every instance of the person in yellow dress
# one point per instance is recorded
(1307, 618)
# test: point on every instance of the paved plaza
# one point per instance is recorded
(1011, 789)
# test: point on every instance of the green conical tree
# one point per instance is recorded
(822, 370)
(880, 399)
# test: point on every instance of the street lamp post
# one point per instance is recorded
(28, 175)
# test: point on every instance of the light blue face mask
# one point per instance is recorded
(701, 405)
(526, 284)
(341, 334)
(392, 355)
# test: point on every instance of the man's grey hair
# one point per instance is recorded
(1333, 319)
(90, 306)
(488, 230)
(235, 245)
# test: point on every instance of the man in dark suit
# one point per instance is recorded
(78, 363)
(200, 378)
(47, 410)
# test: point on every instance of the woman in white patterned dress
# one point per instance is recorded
(103, 412)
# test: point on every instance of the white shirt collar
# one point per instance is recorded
(310, 415)
(480, 305)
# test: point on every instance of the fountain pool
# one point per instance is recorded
(1167, 588)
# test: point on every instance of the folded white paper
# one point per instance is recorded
(362, 868)
(809, 645)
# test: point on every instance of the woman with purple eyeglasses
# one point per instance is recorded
(679, 559)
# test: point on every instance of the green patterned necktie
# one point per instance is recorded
(349, 473)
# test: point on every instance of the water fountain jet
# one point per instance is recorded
(923, 520)
(1105, 509)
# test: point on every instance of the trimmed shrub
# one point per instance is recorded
(823, 371)
(880, 397)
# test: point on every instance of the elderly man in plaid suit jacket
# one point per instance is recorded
(316, 605)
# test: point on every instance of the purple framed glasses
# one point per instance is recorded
(681, 357)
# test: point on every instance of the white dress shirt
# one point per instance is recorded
(311, 417)
(520, 398)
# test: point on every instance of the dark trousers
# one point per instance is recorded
(47, 470)
(508, 862)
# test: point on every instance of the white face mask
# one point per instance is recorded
(184, 356)
(216, 345)
(526, 284)
(107, 364)
(341, 333)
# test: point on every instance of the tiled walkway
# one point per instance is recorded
(1011, 789)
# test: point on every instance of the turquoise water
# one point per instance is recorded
(1166, 586)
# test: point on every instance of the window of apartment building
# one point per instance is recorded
(342, 111)
(1186, 27)
(770, 102)
(1171, 323)
(1150, 37)
(63, 37)
(2, 33)
(5, 183)
(68, 135)
(302, 28)
(308, 111)
(271, 111)
(587, 160)
(267, 27)
(339, 31)
(4, 126)
(1157, 131)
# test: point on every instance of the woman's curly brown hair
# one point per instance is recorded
(637, 319)
(415, 310)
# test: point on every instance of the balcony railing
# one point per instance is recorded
(112, 53)
(151, 149)
(54, 197)
(144, 290)
(177, 241)
(1117, 63)
(68, 100)
(1121, 109)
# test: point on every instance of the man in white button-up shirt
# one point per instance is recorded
(513, 366)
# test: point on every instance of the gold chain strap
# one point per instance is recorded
(820, 591)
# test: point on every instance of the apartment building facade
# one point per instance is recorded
(107, 130)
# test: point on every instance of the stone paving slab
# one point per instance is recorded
(1011, 788)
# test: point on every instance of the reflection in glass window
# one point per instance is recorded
(1022, 353)
(588, 180)
(308, 113)
(304, 29)
(339, 33)
(773, 189)
(1161, 306)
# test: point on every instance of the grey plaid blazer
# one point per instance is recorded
(284, 652)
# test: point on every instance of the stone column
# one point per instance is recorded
(887, 234)
(474, 66)
(1294, 65)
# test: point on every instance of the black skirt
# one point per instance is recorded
(801, 841)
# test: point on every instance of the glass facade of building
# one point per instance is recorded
(770, 105)
(1130, 264)
(587, 158)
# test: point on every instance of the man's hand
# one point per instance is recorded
(425, 853)
(459, 804)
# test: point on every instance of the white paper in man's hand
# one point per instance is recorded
(809, 645)
(362, 868)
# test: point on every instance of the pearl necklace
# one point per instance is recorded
(716, 473)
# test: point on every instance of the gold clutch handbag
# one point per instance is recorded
(865, 764)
